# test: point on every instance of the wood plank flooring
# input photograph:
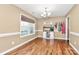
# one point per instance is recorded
(41, 46)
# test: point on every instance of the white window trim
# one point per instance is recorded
(21, 36)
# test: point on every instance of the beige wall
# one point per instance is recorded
(48, 21)
(74, 25)
(31, 17)
(10, 23)
(8, 42)
(74, 19)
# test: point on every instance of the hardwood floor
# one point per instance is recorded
(41, 46)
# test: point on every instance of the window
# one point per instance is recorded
(27, 28)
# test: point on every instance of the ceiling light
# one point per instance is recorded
(45, 13)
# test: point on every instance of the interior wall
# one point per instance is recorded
(10, 23)
(74, 26)
(32, 18)
(48, 21)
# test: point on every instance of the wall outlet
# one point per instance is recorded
(12, 42)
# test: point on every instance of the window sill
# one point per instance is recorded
(26, 35)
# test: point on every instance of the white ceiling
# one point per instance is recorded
(37, 9)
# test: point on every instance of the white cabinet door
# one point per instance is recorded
(44, 34)
(51, 35)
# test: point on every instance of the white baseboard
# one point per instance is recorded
(74, 48)
(55, 38)
(60, 38)
(17, 46)
(40, 36)
(39, 30)
(21, 45)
